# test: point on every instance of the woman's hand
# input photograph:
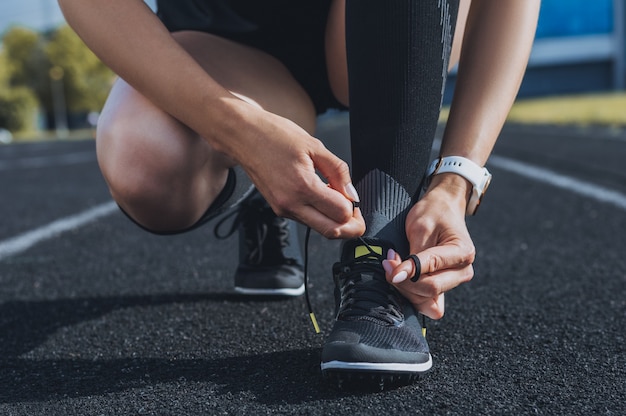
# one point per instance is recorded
(437, 233)
(282, 160)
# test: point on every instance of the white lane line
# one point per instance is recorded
(47, 161)
(24, 241)
(586, 189)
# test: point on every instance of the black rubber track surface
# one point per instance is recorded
(109, 320)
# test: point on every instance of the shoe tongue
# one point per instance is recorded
(367, 253)
(364, 251)
(371, 291)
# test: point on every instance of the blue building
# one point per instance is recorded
(579, 47)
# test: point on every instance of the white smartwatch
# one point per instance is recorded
(478, 176)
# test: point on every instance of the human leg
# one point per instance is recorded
(395, 102)
(168, 179)
(270, 257)
(398, 57)
(162, 173)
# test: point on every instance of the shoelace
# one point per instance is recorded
(255, 254)
(394, 310)
(378, 291)
(374, 299)
(307, 236)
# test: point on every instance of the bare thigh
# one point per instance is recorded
(161, 172)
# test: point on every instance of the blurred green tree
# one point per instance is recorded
(18, 105)
(24, 54)
(17, 109)
(86, 79)
(56, 63)
(4, 70)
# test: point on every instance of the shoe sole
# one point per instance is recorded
(370, 381)
(270, 292)
(383, 367)
(377, 376)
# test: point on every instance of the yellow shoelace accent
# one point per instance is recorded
(315, 325)
(306, 280)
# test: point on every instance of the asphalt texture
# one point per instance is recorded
(107, 319)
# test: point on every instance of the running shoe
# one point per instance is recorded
(377, 336)
(270, 258)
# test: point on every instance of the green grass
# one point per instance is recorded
(596, 109)
(581, 110)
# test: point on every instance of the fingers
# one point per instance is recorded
(336, 172)
(354, 227)
(442, 269)
(328, 212)
(305, 197)
(434, 259)
(432, 285)
(333, 203)
(427, 293)
(433, 308)
(331, 211)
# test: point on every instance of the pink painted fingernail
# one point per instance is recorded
(387, 266)
(400, 277)
(352, 193)
(391, 254)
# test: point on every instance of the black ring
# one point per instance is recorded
(418, 267)
(355, 204)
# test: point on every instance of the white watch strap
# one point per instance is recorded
(459, 165)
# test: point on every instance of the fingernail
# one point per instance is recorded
(391, 254)
(351, 191)
(400, 277)
(387, 266)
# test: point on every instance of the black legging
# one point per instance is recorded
(398, 54)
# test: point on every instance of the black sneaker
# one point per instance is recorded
(377, 336)
(270, 258)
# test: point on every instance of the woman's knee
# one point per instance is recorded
(148, 164)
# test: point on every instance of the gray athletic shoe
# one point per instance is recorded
(270, 258)
(377, 337)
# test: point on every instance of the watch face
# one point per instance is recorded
(476, 198)
(487, 183)
(482, 194)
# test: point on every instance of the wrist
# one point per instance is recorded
(228, 119)
(456, 189)
(462, 171)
